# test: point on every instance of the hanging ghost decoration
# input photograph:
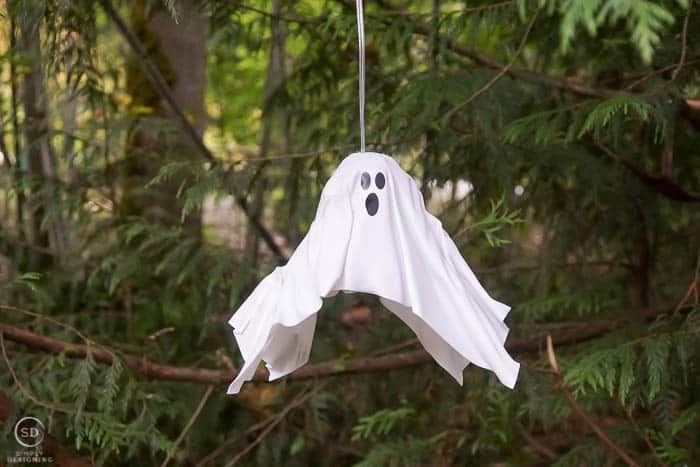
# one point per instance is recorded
(372, 234)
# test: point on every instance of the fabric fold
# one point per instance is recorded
(372, 234)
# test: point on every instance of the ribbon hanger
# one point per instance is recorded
(361, 53)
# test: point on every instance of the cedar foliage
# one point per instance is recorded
(598, 121)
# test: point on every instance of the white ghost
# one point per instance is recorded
(372, 234)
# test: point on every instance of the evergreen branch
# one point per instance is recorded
(645, 437)
(279, 17)
(684, 43)
(89, 342)
(136, 363)
(482, 60)
(311, 153)
(380, 423)
(460, 11)
(573, 334)
(561, 83)
(249, 431)
(493, 222)
(660, 184)
(50, 446)
(161, 87)
(276, 421)
(25, 391)
(539, 447)
(190, 422)
(659, 71)
(498, 75)
(580, 413)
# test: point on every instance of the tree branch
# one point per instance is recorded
(688, 109)
(371, 364)
(498, 75)
(276, 421)
(580, 413)
(542, 449)
(161, 87)
(660, 184)
(487, 62)
(684, 43)
(190, 422)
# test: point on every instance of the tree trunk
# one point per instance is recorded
(178, 49)
(14, 101)
(33, 95)
(274, 125)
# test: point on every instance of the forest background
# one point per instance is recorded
(157, 158)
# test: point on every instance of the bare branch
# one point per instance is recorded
(684, 44)
(580, 413)
(660, 184)
(572, 334)
(190, 422)
(542, 449)
(276, 421)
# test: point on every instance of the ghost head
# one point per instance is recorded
(372, 234)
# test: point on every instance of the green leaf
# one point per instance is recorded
(686, 418)
(656, 352)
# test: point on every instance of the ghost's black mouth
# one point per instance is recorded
(372, 204)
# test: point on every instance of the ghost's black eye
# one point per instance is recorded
(379, 180)
(365, 180)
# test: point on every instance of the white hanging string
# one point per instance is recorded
(361, 48)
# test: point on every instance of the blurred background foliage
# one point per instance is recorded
(557, 141)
